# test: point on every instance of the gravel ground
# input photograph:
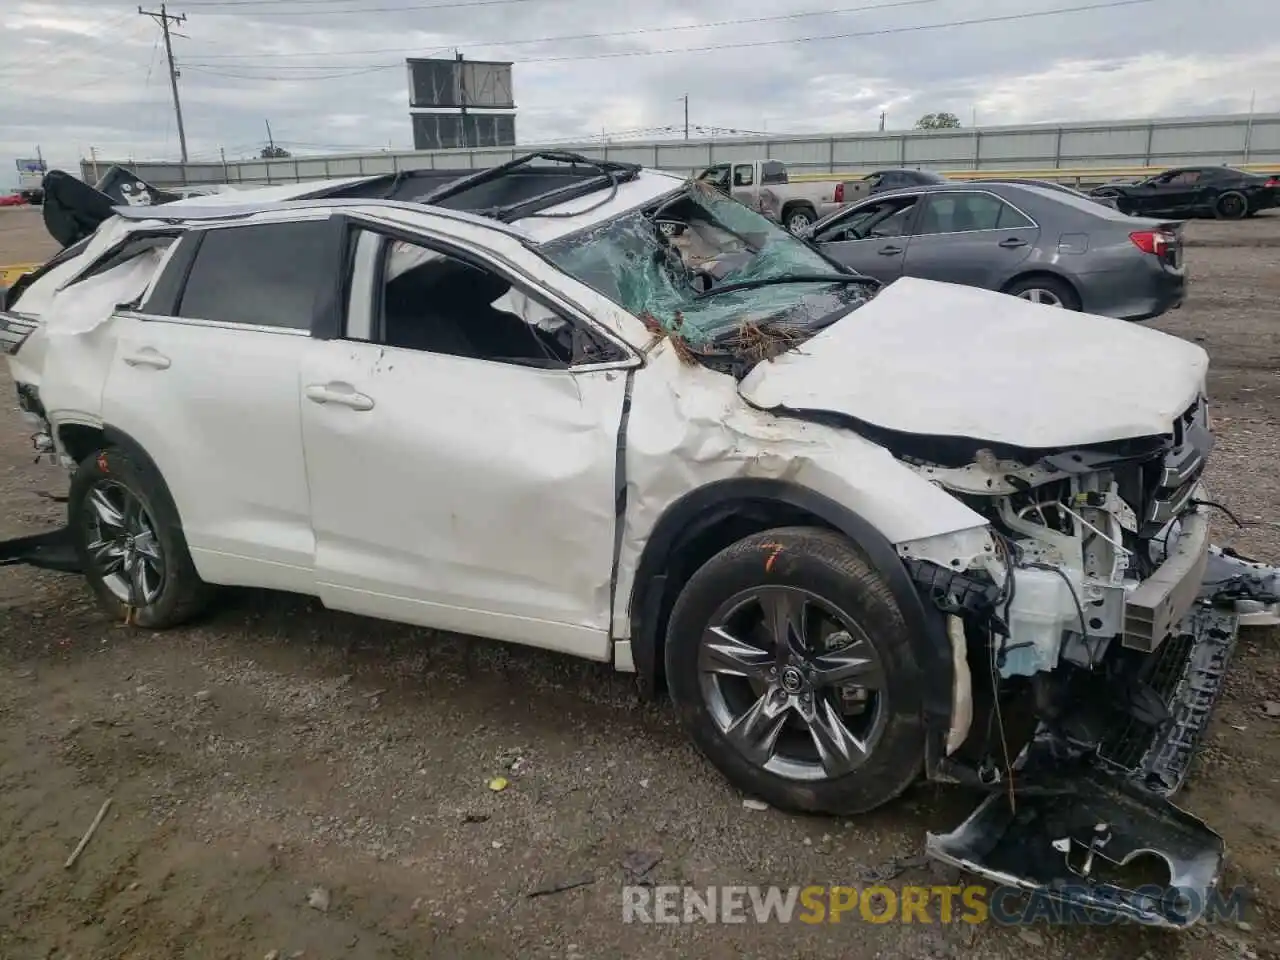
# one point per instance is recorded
(278, 749)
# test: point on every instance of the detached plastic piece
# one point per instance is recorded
(1072, 844)
(48, 551)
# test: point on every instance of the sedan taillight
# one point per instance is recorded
(1150, 241)
(838, 197)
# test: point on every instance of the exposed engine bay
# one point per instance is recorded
(1097, 623)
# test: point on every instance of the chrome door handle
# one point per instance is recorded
(318, 393)
(147, 357)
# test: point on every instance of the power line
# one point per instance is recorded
(742, 45)
(90, 46)
(353, 72)
(714, 24)
(886, 31)
(208, 11)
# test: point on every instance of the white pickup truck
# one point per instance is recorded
(763, 185)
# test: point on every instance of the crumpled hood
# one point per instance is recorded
(939, 359)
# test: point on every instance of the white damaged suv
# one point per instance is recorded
(864, 535)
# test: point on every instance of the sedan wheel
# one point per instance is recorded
(1231, 206)
(792, 683)
(1042, 296)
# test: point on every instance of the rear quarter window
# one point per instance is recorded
(773, 171)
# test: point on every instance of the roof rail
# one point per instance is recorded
(611, 174)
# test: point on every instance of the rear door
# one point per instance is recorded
(872, 237)
(205, 378)
(970, 237)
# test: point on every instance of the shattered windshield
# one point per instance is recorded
(705, 267)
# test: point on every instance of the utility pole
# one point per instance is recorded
(164, 18)
(1248, 128)
(882, 121)
(271, 143)
(686, 116)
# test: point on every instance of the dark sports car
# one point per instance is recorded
(1225, 192)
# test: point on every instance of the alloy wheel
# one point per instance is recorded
(793, 683)
(122, 544)
(798, 222)
(1041, 296)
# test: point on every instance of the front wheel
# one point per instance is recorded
(130, 542)
(789, 664)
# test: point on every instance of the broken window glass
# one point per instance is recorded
(666, 264)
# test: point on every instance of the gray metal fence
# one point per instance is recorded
(1077, 148)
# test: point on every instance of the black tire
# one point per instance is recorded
(826, 565)
(1060, 290)
(798, 216)
(181, 594)
(1231, 206)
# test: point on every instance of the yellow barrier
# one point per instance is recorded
(9, 275)
(1061, 174)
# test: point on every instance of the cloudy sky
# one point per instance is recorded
(329, 74)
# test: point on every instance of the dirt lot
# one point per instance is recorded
(277, 748)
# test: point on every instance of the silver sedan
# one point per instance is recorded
(1043, 243)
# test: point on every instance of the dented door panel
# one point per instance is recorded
(464, 494)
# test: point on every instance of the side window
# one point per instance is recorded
(1011, 218)
(889, 218)
(875, 180)
(961, 213)
(743, 175)
(773, 171)
(425, 299)
(265, 274)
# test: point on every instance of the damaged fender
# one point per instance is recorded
(696, 454)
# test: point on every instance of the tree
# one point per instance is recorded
(938, 121)
(272, 152)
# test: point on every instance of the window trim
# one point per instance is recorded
(482, 259)
(751, 171)
(1031, 224)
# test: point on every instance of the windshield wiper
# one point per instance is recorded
(789, 278)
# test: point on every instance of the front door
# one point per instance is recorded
(872, 238)
(461, 459)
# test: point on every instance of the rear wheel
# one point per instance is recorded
(789, 665)
(798, 219)
(130, 542)
(1231, 206)
(1045, 290)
